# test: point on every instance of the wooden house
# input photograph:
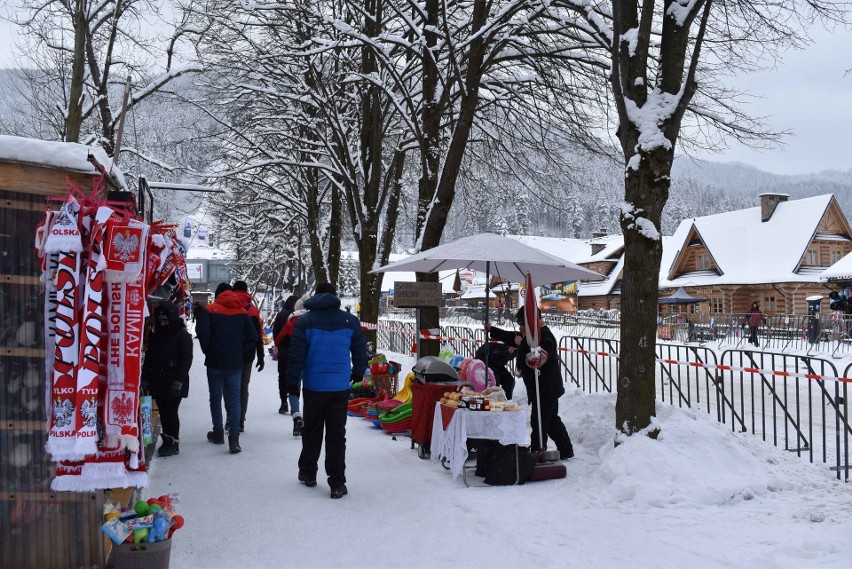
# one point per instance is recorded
(774, 254)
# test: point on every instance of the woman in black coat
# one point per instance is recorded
(550, 381)
(165, 372)
(277, 326)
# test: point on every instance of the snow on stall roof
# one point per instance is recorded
(68, 156)
(208, 253)
(749, 251)
(839, 271)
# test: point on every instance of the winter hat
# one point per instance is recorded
(299, 307)
(323, 288)
(290, 303)
(240, 286)
(221, 288)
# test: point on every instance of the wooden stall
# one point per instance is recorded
(41, 529)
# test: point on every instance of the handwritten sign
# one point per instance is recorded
(413, 295)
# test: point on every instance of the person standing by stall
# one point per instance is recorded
(550, 381)
(225, 331)
(327, 350)
(241, 290)
(165, 372)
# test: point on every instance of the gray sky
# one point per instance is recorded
(809, 94)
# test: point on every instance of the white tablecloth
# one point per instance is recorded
(506, 427)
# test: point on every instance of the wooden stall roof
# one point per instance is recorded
(42, 167)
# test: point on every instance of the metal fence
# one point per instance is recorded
(825, 333)
(809, 417)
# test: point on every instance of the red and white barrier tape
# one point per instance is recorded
(434, 334)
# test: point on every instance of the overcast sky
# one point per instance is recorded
(810, 94)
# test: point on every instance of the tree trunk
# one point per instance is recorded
(647, 189)
(74, 116)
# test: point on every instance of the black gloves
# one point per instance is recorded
(356, 378)
(177, 387)
(260, 364)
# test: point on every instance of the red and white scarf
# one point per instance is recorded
(64, 239)
(125, 249)
(125, 323)
(92, 335)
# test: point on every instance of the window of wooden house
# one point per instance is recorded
(836, 256)
(812, 258)
(717, 305)
(768, 303)
(703, 262)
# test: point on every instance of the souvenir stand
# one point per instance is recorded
(72, 313)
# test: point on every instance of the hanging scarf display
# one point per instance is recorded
(94, 262)
(64, 239)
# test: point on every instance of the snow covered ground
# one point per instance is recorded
(701, 496)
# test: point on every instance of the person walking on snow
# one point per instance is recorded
(327, 350)
(241, 290)
(277, 327)
(225, 331)
(293, 390)
(165, 372)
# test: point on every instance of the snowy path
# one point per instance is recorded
(701, 497)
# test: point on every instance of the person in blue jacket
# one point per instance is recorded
(328, 351)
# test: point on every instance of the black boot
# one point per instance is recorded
(285, 408)
(170, 446)
(217, 437)
(234, 444)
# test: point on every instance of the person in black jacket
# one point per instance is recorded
(550, 381)
(277, 326)
(165, 372)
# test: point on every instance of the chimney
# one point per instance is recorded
(598, 247)
(768, 203)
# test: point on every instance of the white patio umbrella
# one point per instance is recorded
(489, 252)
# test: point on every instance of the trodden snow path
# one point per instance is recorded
(700, 497)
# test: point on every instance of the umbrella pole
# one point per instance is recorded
(487, 290)
(538, 410)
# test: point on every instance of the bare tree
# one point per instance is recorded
(82, 48)
(667, 58)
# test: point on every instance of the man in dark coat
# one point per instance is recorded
(165, 372)
(550, 381)
(225, 332)
(278, 339)
(241, 289)
(327, 351)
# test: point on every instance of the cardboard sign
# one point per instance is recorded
(413, 295)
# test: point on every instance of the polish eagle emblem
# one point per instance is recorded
(126, 245)
(122, 408)
(89, 412)
(63, 411)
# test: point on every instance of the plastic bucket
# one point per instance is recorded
(140, 555)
